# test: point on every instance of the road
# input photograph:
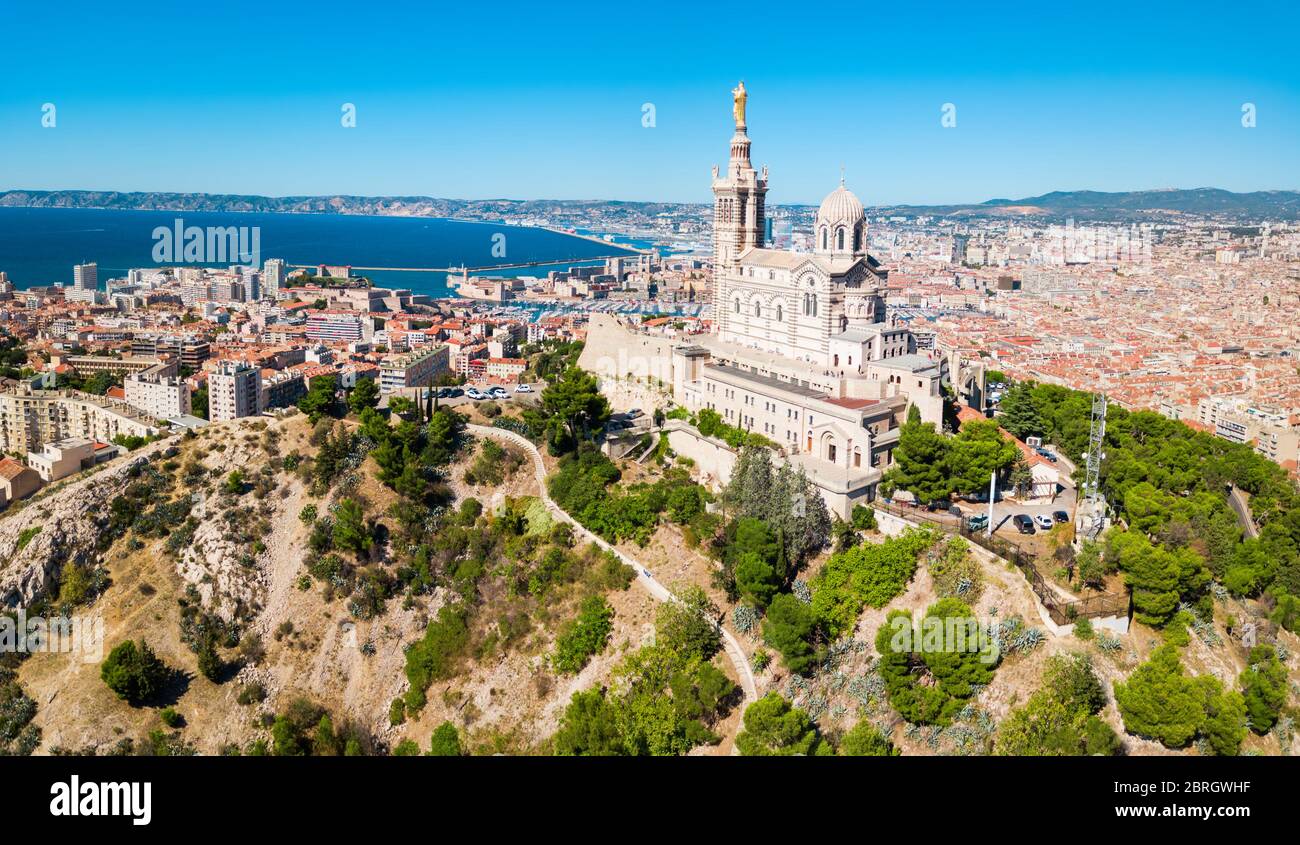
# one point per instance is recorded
(644, 578)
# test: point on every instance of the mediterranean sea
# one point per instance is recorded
(39, 246)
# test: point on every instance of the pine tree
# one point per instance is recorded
(920, 461)
(1264, 686)
(1159, 702)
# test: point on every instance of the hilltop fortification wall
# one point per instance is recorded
(635, 370)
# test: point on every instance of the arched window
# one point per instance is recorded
(780, 315)
(823, 237)
(844, 323)
(758, 310)
(737, 305)
(857, 239)
(839, 239)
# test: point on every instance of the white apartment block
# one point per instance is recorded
(234, 391)
(158, 392)
(337, 327)
(273, 277)
(85, 276)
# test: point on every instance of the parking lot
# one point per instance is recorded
(1005, 509)
(531, 397)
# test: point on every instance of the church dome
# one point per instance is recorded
(841, 225)
(841, 206)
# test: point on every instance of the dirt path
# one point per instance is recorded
(643, 576)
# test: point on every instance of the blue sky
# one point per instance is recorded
(540, 100)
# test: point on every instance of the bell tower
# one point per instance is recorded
(739, 213)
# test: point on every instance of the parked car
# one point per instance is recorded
(499, 393)
(937, 505)
(523, 388)
(633, 414)
(978, 522)
(953, 510)
(1060, 516)
(1046, 454)
(474, 394)
(1023, 523)
(1044, 522)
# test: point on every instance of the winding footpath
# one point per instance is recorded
(643, 577)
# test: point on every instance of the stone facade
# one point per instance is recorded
(800, 353)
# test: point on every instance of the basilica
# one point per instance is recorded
(800, 350)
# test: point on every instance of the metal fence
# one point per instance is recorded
(1062, 611)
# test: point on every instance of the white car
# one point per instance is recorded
(474, 393)
(523, 388)
(1044, 521)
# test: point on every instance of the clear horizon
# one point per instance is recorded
(529, 103)
(704, 202)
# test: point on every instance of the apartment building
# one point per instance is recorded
(87, 364)
(234, 391)
(506, 369)
(190, 350)
(1280, 445)
(273, 276)
(413, 369)
(30, 418)
(337, 327)
(158, 391)
(282, 388)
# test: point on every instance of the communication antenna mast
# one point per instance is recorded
(1096, 505)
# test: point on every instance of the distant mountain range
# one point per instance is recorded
(1127, 205)
(1197, 202)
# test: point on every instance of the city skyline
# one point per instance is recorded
(1037, 106)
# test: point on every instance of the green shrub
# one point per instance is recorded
(134, 672)
(1083, 629)
(867, 575)
(445, 741)
(435, 656)
(1264, 687)
(866, 740)
(1060, 719)
(1160, 702)
(584, 637)
(927, 685)
(773, 728)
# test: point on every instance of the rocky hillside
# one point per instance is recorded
(218, 550)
